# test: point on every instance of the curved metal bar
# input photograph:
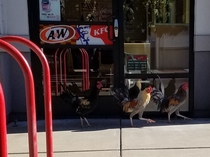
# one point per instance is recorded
(87, 69)
(56, 72)
(47, 87)
(30, 96)
(87, 81)
(3, 128)
(64, 60)
(61, 68)
(83, 73)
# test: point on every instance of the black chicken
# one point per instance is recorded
(73, 87)
(86, 105)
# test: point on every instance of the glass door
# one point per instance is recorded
(81, 40)
(157, 44)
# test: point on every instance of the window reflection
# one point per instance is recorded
(159, 30)
(77, 67)
(75, 10)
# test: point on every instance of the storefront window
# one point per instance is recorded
(75, 10)
(156, 36)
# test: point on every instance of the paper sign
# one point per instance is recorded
(49, 10)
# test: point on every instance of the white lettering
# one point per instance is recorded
(100, 31)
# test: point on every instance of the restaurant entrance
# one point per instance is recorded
(122, 40)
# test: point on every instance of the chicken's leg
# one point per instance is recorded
(88, 124)
(133, 113)
(182, 116)
(172, 111)
(81, 119)
(82, 124)
(148, 120)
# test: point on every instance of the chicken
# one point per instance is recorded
(73, 87)
(135, 106)
(173, 103)
(86, 105)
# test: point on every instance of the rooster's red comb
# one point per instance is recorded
(185, 83)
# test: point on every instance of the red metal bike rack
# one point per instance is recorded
(65, 82)
(30, 96)
(56, 72)
(88, 70)
(3, 130)
(47, 88)
(85, 65)
(61, 67)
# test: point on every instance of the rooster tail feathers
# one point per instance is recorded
(157, 97)
(67, 95)
(121, 94)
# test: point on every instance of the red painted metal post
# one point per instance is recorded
(3, 129)
(47, 88)
(30, 96)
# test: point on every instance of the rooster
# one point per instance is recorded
(85, 105)
(172, 103)
(135, 106)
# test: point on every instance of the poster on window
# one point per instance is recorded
(75, 34)
(49, 10)
(93, 35)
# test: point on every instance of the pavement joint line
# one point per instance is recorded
(70, 151)
(109, 150)
(166, 148)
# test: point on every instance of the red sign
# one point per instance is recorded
(75, 34)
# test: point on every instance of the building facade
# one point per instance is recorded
(128, 39)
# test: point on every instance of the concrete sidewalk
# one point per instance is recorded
(115, 138)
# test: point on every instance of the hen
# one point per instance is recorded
(85, 105)
(172, 103)
(73, 88)
(135, 106)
